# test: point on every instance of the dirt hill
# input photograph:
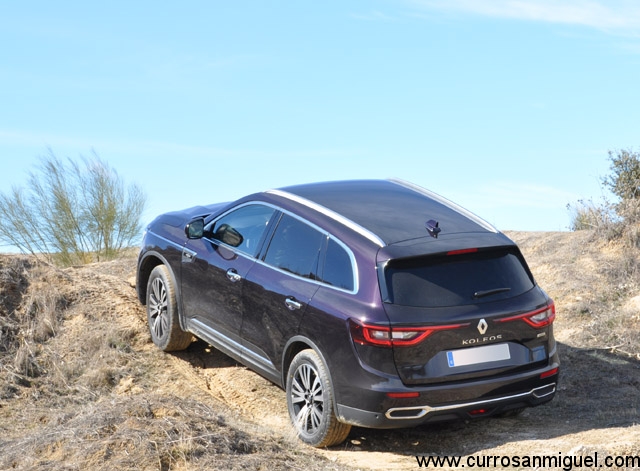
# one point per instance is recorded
(82, 387)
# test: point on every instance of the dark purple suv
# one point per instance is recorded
(373, 303)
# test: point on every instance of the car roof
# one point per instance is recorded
(391, 210)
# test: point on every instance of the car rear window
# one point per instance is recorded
(458, 279)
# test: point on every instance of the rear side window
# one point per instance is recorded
(456, 280)
(338, 269)
(295, 247)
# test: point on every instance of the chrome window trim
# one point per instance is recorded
(332, 214)
(309, 280)
(450, 204)
(325, 233)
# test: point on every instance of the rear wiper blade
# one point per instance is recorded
(490, 292)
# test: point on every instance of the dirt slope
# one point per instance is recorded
(91, 391)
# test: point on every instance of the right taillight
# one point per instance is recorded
(538, 319)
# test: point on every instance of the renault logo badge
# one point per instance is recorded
(482, 326)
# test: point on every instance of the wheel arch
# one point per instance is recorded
(146, 264)
(294, 346)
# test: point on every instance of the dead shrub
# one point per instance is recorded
(588, 215)
(40, 307)
(25, 362)
(629, 226)
(14, 281)
(103, 377)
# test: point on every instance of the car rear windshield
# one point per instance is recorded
(457, 279)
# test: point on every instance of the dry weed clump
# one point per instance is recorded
(18, 348)
(14, 281)
(143, 432)
(38, 302)
(32, 307)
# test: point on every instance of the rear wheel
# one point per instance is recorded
(162, 312)
(311, 403)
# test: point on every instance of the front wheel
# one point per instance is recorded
(311, 403)
(162, 312)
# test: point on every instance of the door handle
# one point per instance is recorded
(233, 276)
(292, 304)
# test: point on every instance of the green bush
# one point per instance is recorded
(72, 212)
(619, 220)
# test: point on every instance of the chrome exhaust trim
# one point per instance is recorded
(544, 391)
(405, 413)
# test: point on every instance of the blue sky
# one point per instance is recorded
(506, 107)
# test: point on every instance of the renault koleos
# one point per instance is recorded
(372, 303)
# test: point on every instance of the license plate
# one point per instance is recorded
(477, 355)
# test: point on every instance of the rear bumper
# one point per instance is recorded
(522, 392)
(528, 398)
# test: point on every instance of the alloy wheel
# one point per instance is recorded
(158, 313)
(307, 399)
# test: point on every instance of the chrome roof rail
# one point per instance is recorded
(332, 214)
(448, 203)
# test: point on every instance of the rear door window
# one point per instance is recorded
(295, 247)
(456, 280)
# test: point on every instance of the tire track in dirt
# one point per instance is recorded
(244, 392)
(239, 388)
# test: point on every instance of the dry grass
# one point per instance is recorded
(150, 431)
(81, 387)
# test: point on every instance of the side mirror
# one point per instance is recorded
(195, 229)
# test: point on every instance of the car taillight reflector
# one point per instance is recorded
(549, 373)
(366, 334)
(538, 319)
(403, 395)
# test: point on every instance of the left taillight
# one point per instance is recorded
(539, 318)
(381, 336)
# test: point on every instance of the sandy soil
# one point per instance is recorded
(596, 409)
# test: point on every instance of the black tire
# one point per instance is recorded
(311, 403)
(162, 312)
